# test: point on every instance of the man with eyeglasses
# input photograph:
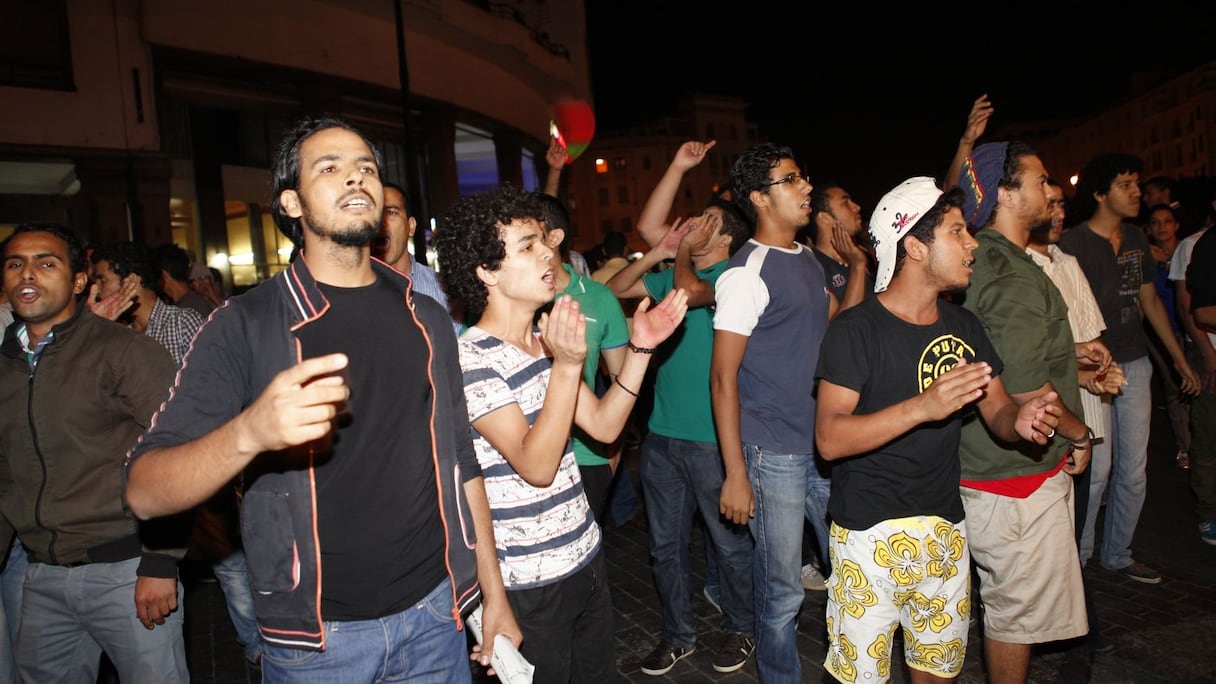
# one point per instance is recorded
(773, 306)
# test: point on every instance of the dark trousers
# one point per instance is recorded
(567, 627)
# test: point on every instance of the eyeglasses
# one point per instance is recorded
(792, 179)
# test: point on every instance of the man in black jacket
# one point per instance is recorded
(338, 394)
(76, 391)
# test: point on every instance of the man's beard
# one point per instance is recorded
(357, 234)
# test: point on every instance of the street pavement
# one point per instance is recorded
(1158, 634)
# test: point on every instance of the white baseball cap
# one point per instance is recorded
(894, 216)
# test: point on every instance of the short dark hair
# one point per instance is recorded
(1161, 183)
(75, 248)
(734, 224)
(405, 196)
(1096, 178)
(926, 226)
(174, 260)
(615, 243)
(750, 173)
(285, 175)
(554, 212)
(470, 235)
(127, 257)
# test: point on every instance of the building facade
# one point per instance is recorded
(156, 121)
(607, 187)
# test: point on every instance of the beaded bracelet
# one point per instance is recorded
(639, 350)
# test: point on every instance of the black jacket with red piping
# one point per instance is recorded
(236, 354)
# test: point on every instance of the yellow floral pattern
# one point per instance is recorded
(852, 592)
(918, 566)
(925, 613)
(946, 657)
(842, 655)
(901, 554)
(880, 651)
(945, 549)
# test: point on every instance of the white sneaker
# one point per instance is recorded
(812, 579)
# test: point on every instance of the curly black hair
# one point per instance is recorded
(750, 172)
(470, 235)
(1097, 177)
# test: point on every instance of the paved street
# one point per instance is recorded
(1158, 633)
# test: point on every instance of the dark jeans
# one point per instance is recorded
(567, 627)
(680, 477)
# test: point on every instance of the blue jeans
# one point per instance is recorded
(12, 579)
(419, 644)
(232, 573)
(69, 615)
(678, 478)
(788, 490)
(1120, 461)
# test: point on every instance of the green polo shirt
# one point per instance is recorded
(606, 329)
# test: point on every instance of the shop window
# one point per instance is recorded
(476, 160)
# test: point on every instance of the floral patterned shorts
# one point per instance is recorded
(909, 572)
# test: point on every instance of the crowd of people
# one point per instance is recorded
(930, 409)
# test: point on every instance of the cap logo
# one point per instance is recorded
(903, 220)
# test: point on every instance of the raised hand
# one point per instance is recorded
(692, 153)
(977, 120)
(674, 236)
(955, 389)
(555, 157)
(563, 330)
(652, 326)
(298, 405)
(845, 245)
(114, 304)
(702, 232)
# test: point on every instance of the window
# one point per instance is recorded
(531, 182)
(604, 197)
(619, 163)
(35, 47)
(601, 165)
(476, 161)
(622, 194)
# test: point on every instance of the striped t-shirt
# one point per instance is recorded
(542, 534)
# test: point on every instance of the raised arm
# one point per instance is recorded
(977, 122)
(555, 157)
(297, 406)
(535, 451)
(696, 241)
(627, 283)
(652, 224)
(603, 417)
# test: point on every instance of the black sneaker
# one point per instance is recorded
(664, 657)
(1140, 572)
(734, 652)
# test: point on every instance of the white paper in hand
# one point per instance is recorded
(509, 665)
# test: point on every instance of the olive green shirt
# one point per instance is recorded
(1027, 320)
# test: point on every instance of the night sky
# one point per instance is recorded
(871, 106)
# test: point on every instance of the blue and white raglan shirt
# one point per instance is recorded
(779, 299)
(542, 534)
